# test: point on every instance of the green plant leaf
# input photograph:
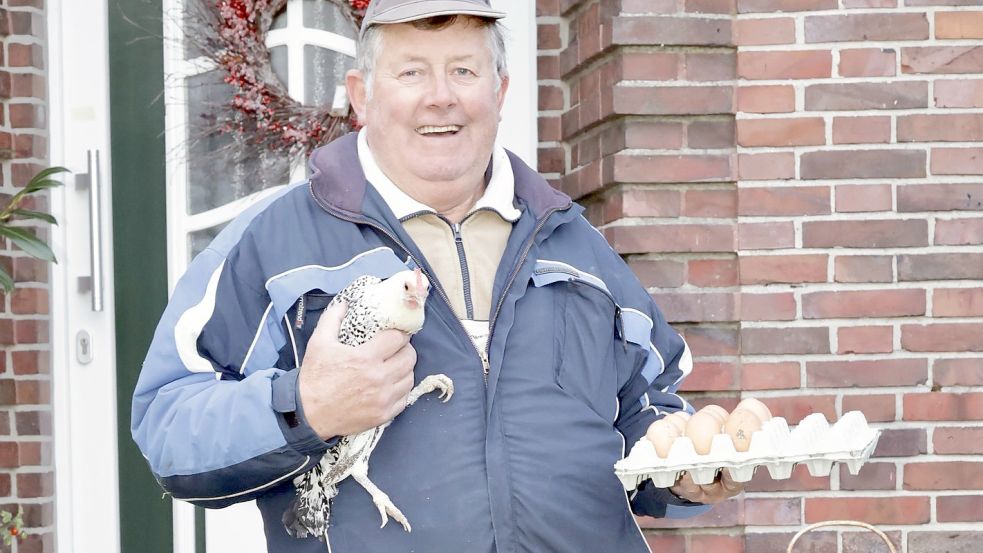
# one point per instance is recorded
(28, 214)
(6, 283)
(6, 517)
(36, 185)
(31, 244)
(48, 172)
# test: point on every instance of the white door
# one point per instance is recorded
(83, 335)
(311, 48)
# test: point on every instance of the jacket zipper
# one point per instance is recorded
(465, 273)
(482, 356)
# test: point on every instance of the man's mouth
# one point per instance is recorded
(431, 130)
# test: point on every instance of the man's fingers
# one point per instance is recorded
(728, 483)
(329, 325)
(386, 343)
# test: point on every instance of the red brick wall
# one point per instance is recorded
(800, 185)
(26, 463)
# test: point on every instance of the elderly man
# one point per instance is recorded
(558, 356)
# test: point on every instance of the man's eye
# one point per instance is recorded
(463, 72)
(410, 73)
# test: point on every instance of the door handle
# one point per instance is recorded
(91, 180)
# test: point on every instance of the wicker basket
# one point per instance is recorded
(811, 527)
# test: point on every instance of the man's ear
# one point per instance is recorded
(355, 85)
(502, 89)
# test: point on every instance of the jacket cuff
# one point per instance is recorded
(652, 501)
(290, 415)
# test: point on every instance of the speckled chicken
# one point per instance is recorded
(373, 305)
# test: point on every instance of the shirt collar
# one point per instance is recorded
(498, 196)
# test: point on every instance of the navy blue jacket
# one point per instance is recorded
(581, 362)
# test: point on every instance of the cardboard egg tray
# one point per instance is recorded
(814, 442)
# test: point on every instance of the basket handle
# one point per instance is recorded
(811, 527)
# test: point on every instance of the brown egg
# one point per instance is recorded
(756, 407)
(662, 434)
(701, 428)
(677, 421)
(741, 425)
(716, 411)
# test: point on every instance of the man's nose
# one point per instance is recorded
(441, 93)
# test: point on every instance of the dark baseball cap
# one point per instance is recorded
(384, 12)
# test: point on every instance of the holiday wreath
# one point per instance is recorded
(232, 33)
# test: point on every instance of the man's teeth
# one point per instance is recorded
(434, 130)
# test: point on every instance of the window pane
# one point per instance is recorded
(281, 67)
(200, 239)
(326, 16)
(323, 70)
(220, 169)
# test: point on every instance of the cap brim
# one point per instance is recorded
(411, 11)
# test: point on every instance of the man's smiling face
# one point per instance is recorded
(434, 110)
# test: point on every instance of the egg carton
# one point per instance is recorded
(814, 442)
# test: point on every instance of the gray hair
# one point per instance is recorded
(370, 45)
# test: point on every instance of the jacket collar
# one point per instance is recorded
(338, 182)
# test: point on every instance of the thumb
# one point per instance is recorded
(329, 325)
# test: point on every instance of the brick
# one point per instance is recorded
(673, 30)
(962, 24)
(951, 541)
(942, 59)
(863, 268)
(28, 269)
(865, 339)
(767, 166)
(864, 96)
(718, 543)
(633, 168)
(764, 6)
(766, 236)
(770, 376)
(959, 508)
(672, 100)
(958, 232)
(966, 440)
(861, 130)
(811, 542)
(783, 201)
(873, 510)
(865, 234)
(940, 128)
(954, 475)
(35, 484)
(814, 64)
(782, 511)
(943, 406)
(866, 27)
(770, 269)
(712, 273)
(725, 7)
(901, 442)
(843, 304)
(25, 55)
(800, 131)
(957, 302)
(712, 376)
(800, 480)
(958, 372)
(723, 515)
(697, 306)
(940, 197)
(766, 99)
(648, 202)
(868, 62)
(866, 373)
(30, 362)
(33, 423)
(711, 134)
(661, 273)
(760, 32)
(942, 337)
(861, 198)
(719, 203)
(876, 408)
(796, 408)
(9, 455)
(649, 66)
(959, 93)
(940, 266)
(704, 67)
(863, 164)
(671, 238)
(768, 307)
(868, 542)
(872, 476)
(29, 301)
(803, 340)
(712, 340)
(666, 543)
(957, 161)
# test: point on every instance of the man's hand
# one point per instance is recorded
(345, 390)
(721, 489)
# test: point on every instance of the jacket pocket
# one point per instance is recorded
(586, 335)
